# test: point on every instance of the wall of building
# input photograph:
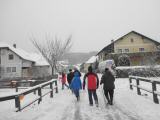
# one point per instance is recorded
(133, 43)
(41, 71)
(101, 56)
(10, 68)
(18, 67)
(26, 63)
(86, 65)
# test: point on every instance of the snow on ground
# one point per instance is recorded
(63, 106)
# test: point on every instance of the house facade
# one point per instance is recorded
(90, 62)
(137, 48)
(16, 63)
(102, 55)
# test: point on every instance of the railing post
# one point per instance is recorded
(138, 89)
(155, 98)
(17, 103)
(51, 87)
(34, 92)
(130, 82)
(16, 86)
(11, 84)
(40, 95)
(56, 86)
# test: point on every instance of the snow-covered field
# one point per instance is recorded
(63, 106)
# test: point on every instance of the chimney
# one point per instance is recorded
(14, 45)
(112, 41)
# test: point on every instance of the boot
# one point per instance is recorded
(96, 102)
(78, 98)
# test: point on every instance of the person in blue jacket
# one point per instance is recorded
(76, 85)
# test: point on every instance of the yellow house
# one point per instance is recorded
(139, 49)
(134, 42)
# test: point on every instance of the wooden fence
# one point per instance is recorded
(139, 87)
(19, 95)
(25, 84)
(18, 81)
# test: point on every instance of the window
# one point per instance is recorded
(141, 49)
(10, 57)
(126, 50)
(119, 50)
(132, 40)
(8, 69)
(13, 69)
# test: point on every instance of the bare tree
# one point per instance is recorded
(52, 49)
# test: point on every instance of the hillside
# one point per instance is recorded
(76, 58)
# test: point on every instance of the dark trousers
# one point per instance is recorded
(109, 95)
(94, 94)
(76, 92)
(64, 84)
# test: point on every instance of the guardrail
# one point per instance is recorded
(25, 84)
(149, 80)
(19, 95)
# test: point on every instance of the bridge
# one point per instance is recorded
(63, 106)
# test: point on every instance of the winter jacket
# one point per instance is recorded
(63, 78)
(92, 81)
(70, 77)
(76, 82)
(78, 72)
(108, 81)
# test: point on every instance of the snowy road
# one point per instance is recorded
(73, 110)
(63, 106)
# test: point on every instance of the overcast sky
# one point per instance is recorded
(92, 23)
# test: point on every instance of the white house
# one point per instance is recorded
(15, 62)
(90, 62)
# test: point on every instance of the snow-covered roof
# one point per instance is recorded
(23, 54)
(39, 60)
(92, 59)
(33, 57)
(61, 63)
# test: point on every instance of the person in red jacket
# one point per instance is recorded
(64, 78)
(93, 84)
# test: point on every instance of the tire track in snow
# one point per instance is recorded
(117, 111)
(68, 112)
(93, 112)
(77, 113)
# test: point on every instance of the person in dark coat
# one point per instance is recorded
(76, 85)
(70, 76)
(93, 83)
(108, 85)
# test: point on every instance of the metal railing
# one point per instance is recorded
(19, 95)
(139, 87)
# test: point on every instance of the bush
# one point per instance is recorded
(142, 71)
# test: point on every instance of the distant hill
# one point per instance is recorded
(77, 58)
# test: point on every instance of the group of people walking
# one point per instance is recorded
(90, 80)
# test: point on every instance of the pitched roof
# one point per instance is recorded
(33, 57)
(39, 59)
(92, 59)
(157, 43)
(106, 47)
(21, 53)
